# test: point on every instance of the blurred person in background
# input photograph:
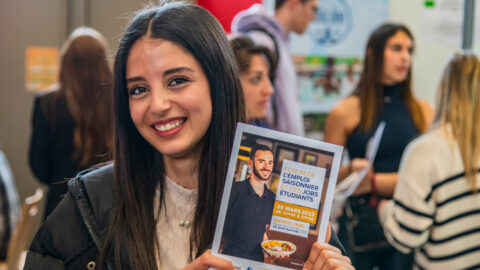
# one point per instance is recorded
(435, 211)
(383, 94)
(284, 112)
(256, 63)
(71, 123)
(9, 205)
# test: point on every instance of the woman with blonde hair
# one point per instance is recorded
(435, 211)
(71, 124)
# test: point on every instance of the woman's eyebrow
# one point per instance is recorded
(135, 79)
(165, 73)
(177, 69)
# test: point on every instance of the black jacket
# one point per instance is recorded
(51, 146)
(73, 234)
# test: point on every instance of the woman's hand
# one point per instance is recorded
(325, 257)
(357, 165)
(207, 260)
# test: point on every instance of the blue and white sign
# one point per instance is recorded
(333, 23)
(341, 28)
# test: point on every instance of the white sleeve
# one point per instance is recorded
(408, 217)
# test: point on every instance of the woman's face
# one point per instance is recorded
(397, 58)
(257, 87)
(169, 97)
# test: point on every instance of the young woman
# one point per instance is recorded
(383, 94)
(177, 103)
(70, 131)
(256, 64)
(436, 208)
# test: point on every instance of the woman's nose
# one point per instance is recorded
(160, 102)
(268, 87)
(406, 55)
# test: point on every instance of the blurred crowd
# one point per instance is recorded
(146, 140)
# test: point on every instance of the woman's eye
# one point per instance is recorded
(255, 80)
(177, 81)
(396, 48)
(137, 91)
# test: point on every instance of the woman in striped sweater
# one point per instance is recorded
(435, 211)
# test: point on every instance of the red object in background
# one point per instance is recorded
(225, 10)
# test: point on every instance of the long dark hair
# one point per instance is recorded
(139, 169)
(370, 87)
(86, 75)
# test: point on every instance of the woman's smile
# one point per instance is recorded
(169, 127)
(169, 102)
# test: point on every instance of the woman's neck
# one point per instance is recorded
(183, 170)
(392, 90)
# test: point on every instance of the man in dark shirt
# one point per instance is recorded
(250, 208)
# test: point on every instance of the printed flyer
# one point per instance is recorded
(277, 199)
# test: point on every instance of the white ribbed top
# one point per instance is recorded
(174, 240)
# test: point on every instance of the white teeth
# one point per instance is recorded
(169, 126)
